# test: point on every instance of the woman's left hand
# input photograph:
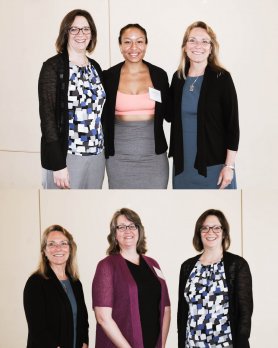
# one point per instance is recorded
(225, 177)
(85, 345)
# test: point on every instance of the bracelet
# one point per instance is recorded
(229, 166)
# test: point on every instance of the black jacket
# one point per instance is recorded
(239, 283)
(160, 82)
(217, 121)
(53, 101)
(49, 314)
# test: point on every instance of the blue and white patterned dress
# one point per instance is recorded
(86, 99)
(206, 293)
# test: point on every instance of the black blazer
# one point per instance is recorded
(53, 102)
(159, 79)
(49, 314)
(217, 121)
(239, 283)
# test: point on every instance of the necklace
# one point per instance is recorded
(191, 87)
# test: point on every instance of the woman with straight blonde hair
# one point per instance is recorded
(205, 128)
(54, 302)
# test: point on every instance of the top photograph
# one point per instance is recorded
(132, 96)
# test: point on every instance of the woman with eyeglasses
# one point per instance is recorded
(137, 104)
(54, 302)
(71, 99)
(215, 290)
(130, 296)
(205, 127)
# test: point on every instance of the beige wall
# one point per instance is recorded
(246, 31)
(169, 219)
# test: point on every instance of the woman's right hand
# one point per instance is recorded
(61, 178)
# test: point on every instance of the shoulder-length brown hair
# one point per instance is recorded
(197, 241)
(71, 266)
(62, 39)
(133, 217)
(213, 60)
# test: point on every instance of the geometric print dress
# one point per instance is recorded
(86, 98)
(206, 293)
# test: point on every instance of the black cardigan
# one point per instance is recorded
(217, 121)
(53, 102)
(160, 82)
(239, 283)
(49, 314)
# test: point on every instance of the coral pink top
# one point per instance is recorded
(134, 104)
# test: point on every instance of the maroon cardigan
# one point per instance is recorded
(113, 286)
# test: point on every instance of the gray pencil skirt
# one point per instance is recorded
(135, 164)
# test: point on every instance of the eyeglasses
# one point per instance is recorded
(76, 31)
(194, 42)
(123, 228)
(215, 229)
(63, 245)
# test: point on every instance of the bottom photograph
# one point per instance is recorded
(136, 269)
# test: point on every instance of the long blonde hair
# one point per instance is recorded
(71, 266)
(213, 60)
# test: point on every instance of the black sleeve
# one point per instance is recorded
(51, 142)
(182, 309)
(230, 109)
(244, 298)
(34, 306)
(167, 108)
(84, 316)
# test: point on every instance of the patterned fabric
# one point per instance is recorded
(206, 292)
(86, 99)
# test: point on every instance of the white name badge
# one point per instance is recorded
(159, 273)
(155, 94)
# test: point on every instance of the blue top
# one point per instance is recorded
(68, 289)
(190, 178)
(86, 98)
(206, 292)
